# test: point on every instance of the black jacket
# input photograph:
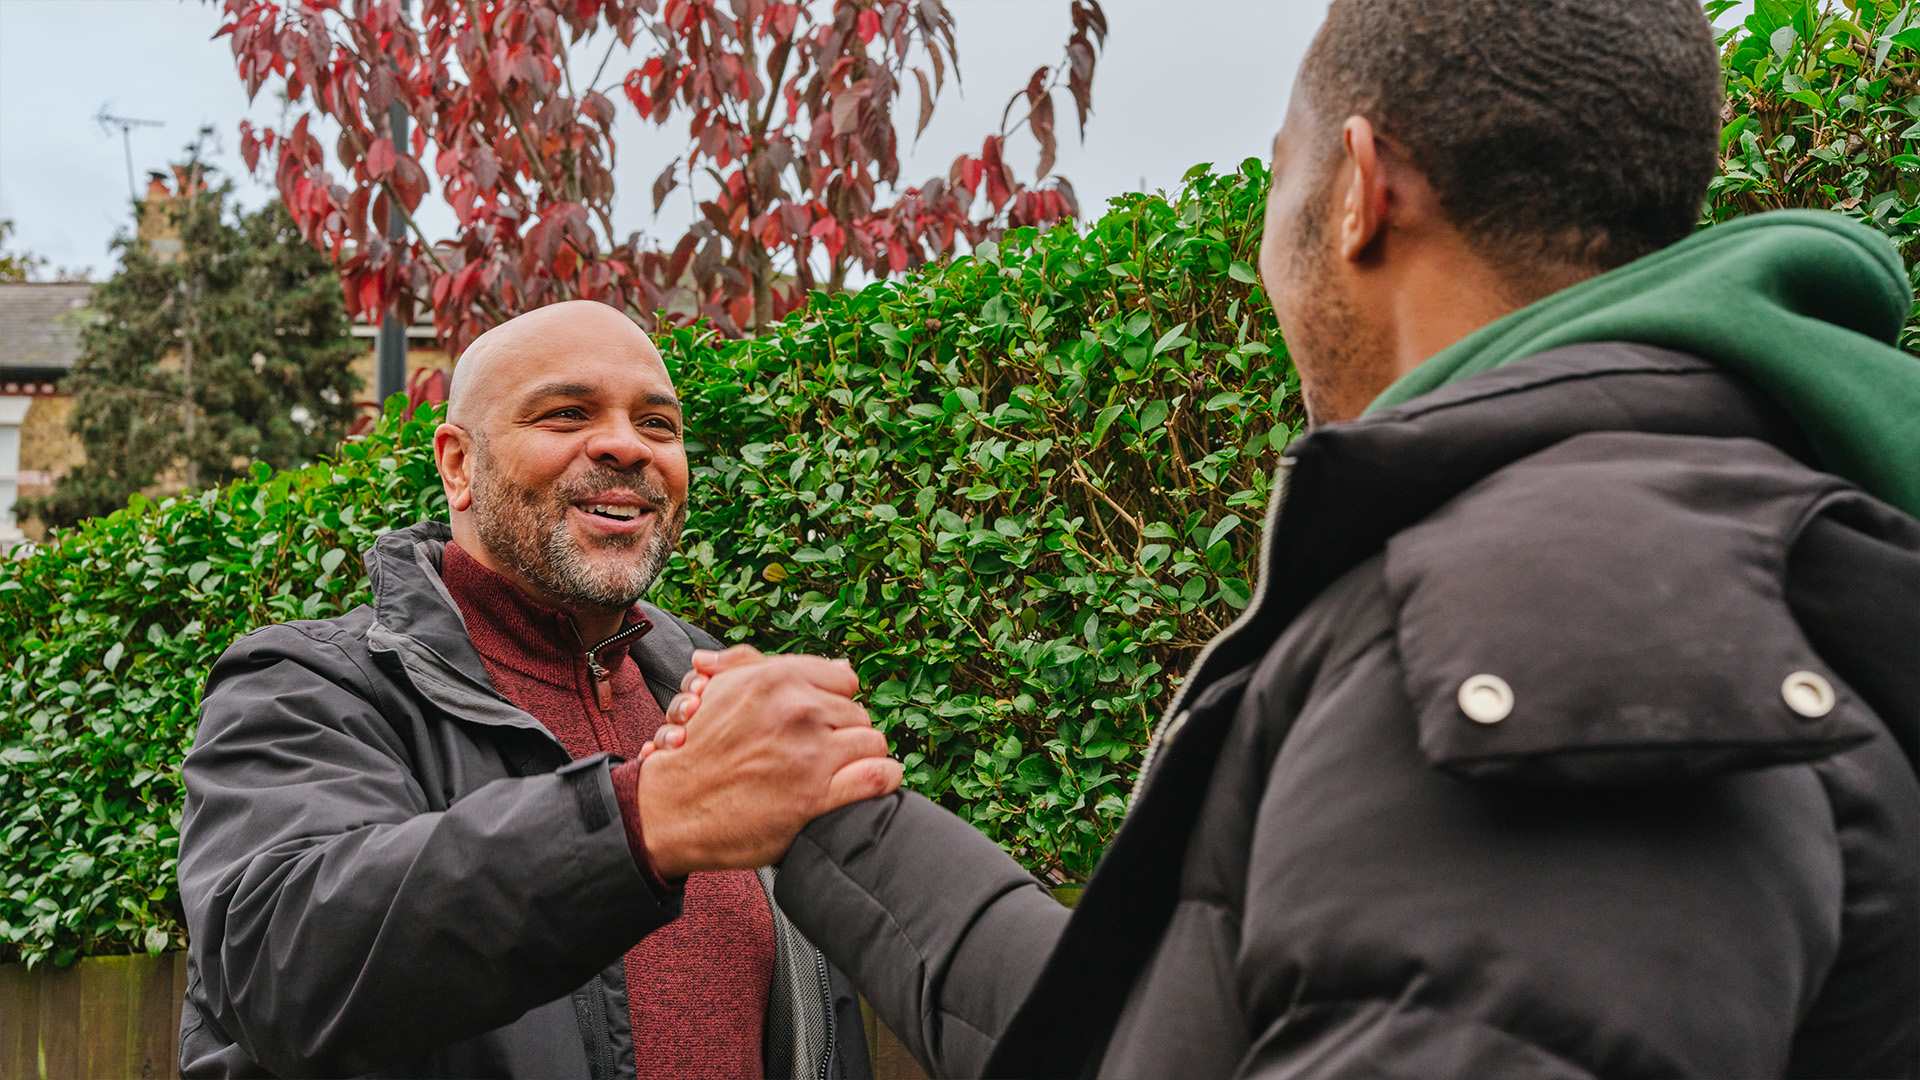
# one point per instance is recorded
(388, 869)
(1572, 733)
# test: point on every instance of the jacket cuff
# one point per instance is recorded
(626, 791)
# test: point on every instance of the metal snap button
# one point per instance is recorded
(1486, 699)
(1809, 694)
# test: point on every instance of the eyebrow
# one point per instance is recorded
(579, 390)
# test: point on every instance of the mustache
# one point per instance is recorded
(601, 481)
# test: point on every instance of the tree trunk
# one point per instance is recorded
(762, 287)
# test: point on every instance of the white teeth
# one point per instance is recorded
(624, 513)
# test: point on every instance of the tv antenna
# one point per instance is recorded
(126, 124)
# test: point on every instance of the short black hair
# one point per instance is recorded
(1576, 132)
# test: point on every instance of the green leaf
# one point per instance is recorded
(331, 561)
(1220, 530)
(1172, 339)
(1243, 273)
(1103, 421)
(1236, 593)
(111, 661)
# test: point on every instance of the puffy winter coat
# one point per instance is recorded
(1573, 733)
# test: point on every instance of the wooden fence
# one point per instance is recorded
(118, 1017)
(107, 1017)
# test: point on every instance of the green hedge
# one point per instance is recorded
(114, 628)
(1824, 113)
(1019, 490)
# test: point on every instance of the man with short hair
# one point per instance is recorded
(411, 845)
(1573, 729)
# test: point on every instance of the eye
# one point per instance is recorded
(661, 423)
(571, 412)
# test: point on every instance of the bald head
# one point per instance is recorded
(541, 342)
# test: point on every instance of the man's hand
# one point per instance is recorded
(780, 742)
(706, 664)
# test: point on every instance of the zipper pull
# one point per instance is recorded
(602, 689)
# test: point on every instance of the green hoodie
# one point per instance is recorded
(1803, 304)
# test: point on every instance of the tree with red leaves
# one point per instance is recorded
(792, 154)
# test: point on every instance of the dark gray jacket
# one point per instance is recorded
(1678, 836)
(388, 869)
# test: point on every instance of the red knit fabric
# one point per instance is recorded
(697, 987)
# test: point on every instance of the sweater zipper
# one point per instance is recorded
(602, 689)
(1176, 715)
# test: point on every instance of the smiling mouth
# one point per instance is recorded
(615, 513)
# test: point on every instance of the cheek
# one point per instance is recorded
(671, 460)
(536, 464)
(1278, 267)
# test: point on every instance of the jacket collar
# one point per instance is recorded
(418, 626)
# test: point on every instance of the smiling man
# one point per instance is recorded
(416, 840)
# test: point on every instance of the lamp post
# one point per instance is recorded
(391, 372)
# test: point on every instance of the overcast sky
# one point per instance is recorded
(1179, 83)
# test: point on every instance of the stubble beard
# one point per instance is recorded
(527, 530)
(1327, 339)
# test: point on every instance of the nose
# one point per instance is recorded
(617, 445)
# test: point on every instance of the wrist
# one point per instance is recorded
(661, 851)
(639, 826)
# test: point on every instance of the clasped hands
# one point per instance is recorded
(779, 742)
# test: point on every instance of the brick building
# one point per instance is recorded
(39, 341)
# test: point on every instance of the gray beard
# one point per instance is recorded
(528, 532)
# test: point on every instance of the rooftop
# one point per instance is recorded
(40, 326)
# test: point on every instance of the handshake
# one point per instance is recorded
(779, 742)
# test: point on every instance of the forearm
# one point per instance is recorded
(940, 929)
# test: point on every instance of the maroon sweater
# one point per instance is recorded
(697, 987)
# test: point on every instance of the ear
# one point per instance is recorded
(453, 456)
(1364, 204)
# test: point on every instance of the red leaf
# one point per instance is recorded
(926, 102)
(380, 158)
(664, 184)
(249, 147)
(369, 294)
(867, 26)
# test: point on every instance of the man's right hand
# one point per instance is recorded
(779, 742)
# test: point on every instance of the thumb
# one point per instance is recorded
(708, 662)
(867, 778)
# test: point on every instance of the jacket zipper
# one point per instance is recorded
(602, 689)
(1175, 716)
(826, 999)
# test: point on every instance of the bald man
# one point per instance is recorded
(416, 838)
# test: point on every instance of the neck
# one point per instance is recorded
(1440, 301)
(595, 624)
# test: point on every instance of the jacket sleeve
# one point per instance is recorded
(339, 923)
(1403, 922)
(939, 928)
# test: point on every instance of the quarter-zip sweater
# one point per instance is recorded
(697, 987)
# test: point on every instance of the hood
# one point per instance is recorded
(1806, 306)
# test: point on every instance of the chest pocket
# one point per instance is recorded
(1611, 612)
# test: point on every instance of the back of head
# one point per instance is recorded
(1553, 132)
